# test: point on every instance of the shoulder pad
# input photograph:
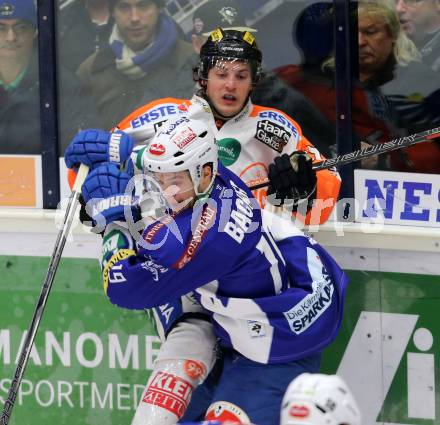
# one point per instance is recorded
(143, 123)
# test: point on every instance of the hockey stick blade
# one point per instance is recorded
(380, 148)
(47, 285)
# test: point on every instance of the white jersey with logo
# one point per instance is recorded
(248, 142)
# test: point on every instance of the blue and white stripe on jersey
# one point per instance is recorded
(271, 301)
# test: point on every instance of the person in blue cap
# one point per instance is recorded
(18, 78)
(18, 30)
(20, 85)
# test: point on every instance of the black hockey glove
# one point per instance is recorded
(292, 180)
(85, 218)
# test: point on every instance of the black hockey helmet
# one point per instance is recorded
(229, 45)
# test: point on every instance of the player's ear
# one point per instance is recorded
(207, 170)
(206, 176)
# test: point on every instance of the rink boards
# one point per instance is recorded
(91, 359)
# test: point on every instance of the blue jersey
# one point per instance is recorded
(272, 302)
(203, 423)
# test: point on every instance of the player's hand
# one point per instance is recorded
(292, 178)
(93, 147)
(105, 193)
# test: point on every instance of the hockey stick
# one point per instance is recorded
(399, 143)
(47, 285)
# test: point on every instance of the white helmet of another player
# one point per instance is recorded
(318, 399)
(182, 145)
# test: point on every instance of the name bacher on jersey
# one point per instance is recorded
(268, 300)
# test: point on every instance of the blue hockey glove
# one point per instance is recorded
(93, 147)
(104, 192)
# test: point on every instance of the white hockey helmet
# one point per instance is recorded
(182, 144)
(318, 399)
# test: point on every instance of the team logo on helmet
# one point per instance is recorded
(6, 9)
(217, 35)
(228, 14)
(157, 149)
(299, 411)
(249, 38)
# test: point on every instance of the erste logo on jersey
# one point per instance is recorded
(157, 149)
(273, 135)
(163, 111)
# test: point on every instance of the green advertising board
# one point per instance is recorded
(91, 359)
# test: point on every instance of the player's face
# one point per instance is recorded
(177, 189)
(375, 44)
(16, 39)
(228, 86)
(136, 21)
(416, 16)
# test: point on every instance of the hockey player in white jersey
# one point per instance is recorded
(274, 306)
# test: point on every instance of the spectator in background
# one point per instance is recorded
(420, 19)
(143, 60)
(394, 95)
(84, 27)
(20, 88)
(226, 14)
(390, 69)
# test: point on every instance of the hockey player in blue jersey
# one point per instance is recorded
(227, 110)
(274, 305)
